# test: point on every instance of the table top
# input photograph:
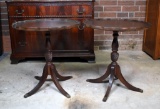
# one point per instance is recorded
(45, 24)
(116, 24)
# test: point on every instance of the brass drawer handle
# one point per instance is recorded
(81, 26)
(81, 10)
(19, 11)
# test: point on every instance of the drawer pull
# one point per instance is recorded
(22, 44)
(80, 11)
(20, 12)
(81, 26)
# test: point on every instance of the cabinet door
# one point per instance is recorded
(151, 43)
(72, 40)
(26, 41)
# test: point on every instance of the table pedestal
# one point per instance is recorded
(49, 69)
(114, 70)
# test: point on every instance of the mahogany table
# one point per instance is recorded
(115, 25)
(47, 25)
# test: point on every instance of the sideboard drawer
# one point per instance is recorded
(85, 10)
(51, 10)
(21, 11)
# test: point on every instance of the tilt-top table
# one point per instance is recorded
(47, 25)
(115, 25)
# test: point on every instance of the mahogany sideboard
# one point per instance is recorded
(75, 42)
(151, 40)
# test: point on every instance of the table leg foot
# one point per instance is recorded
(49, 69)
(122, 79)
(111, 80)
(100, 79)
(59, 77)
(53, 73)
(41, 82)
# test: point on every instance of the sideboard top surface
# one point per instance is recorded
(52, 1)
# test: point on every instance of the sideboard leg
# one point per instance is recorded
(16, 60)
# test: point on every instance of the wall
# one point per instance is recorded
(127, 9)
(1, 44)
(5, 28)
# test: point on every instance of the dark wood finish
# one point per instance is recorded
(116, 24)
(1, 42)
(151, 40)
(49, 69)
(114, 69)
(77, 42)
(47, 25)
